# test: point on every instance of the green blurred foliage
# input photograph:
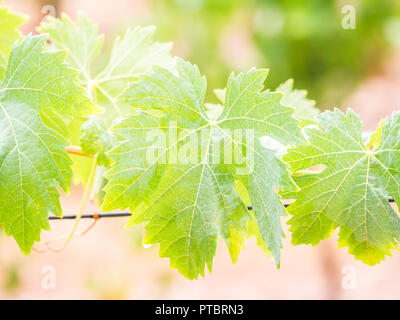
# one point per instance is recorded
(296, 39)
(196, 27)
(107, 285)
(12, 279)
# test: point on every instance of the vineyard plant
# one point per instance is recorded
(136, 130)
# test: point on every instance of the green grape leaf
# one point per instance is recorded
(177, 171)
(9, 33)
(182, 97)
(305, 110)
(351, 191)
(132, 54)
(33, 160)
(82, 41)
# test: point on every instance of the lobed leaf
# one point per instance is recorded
(351, 192)
(185, 191)
(33, 160)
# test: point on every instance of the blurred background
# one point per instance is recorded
(313, 42)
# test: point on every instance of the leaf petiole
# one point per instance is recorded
(75, 150)
(83, 203)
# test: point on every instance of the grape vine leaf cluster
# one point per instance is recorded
(188, 205)
(162, 153)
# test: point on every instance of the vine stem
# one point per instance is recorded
(82, 207)
(100, 215)
(77, 151)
